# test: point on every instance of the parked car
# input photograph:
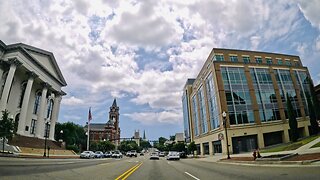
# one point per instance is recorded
(87, 154)
(117, 154)
(182, 154)
(173, 155)
(161, 154)
(108, 154)
(154, 155)
(141, 154)
(98, 154)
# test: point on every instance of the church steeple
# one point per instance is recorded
(144, 135)
(114, 104)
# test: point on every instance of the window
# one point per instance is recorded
(37, 103)
(212, 101)
(3, 82)
(23, 90)
(203, 113)
(246, 59)
(258, 60)
(219, 57)
(269, 60)
(288, 62)
(296, 63)
(33, 126)
(237, 94)
(49, 109)
(195, 115)
(280, 62)
(234, 58)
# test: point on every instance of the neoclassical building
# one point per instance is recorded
(30, 89)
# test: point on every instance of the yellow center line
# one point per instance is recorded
(124, 178)
(123, 174)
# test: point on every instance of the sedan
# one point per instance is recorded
(173, 155)
(98, 154)
(117, 154)
(154, 155)
(87, 154)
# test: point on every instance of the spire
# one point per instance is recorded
(114, 104)
(144, 135)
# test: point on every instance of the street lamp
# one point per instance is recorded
(61, 134)
(45, 138)
(224, 115)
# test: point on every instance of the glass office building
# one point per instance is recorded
(252, 88)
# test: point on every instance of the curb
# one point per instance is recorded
(272, 163)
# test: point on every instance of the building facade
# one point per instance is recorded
(251, 87)
(107, 131)
(30, 89)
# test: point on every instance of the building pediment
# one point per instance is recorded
(45, 60)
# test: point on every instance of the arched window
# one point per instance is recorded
(23, 90)
(36, 106)
(49, 109)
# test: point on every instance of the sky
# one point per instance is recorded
(142, 52)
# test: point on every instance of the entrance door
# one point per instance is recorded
(244, 144)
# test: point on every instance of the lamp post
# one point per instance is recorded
(45, 138)
(224, 115)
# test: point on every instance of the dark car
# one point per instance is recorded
(183, 154)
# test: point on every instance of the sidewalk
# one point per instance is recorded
(306, 155)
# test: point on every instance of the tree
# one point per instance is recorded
(192, 147)
(128, 145)
(6, 127)
(180, 147)
(293, 124)
(73, 134)
(314, 98)
(106, 146)
(162, 140)
(145, 144)
(172, 138)
(312, 116)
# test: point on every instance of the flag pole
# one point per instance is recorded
(88, 132)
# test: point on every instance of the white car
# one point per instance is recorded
(117, 154)
(87, 154)
(154, 155)
(161, 154)
(173, 155)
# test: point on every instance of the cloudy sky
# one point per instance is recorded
(142, 52)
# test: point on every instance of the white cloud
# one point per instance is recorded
(72, 101)
(152, 118)
(310, 10)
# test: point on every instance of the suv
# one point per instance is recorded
(133, 153)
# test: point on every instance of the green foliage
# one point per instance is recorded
(180, 146)
(6, 125)
(162, 140)
(192, 147)
(94, 146)
(145, 144)
(312, 116)
(106, 146)
(73, 147)
(293, 124)
(73, 134)
(172, 138)
(128, 145)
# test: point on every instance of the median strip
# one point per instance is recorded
(126, 174)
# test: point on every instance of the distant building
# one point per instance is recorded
(136, 137)
(30, 89)
(252, 88)
(179, 137)
(107, 131)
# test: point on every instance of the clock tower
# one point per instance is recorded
(114, 118)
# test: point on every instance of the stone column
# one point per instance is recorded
(201, 149)
(41, 113)
(25, 103)
(55, 114)
(2, 67)
(14, 63)
(211, 148)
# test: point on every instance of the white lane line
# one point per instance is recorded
(192, 176)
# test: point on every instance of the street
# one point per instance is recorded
(143, 168)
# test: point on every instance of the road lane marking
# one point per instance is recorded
(104, 164)
(192, 176)
(125, 173)
(124, 178)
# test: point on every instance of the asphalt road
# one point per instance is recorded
(143, 168)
